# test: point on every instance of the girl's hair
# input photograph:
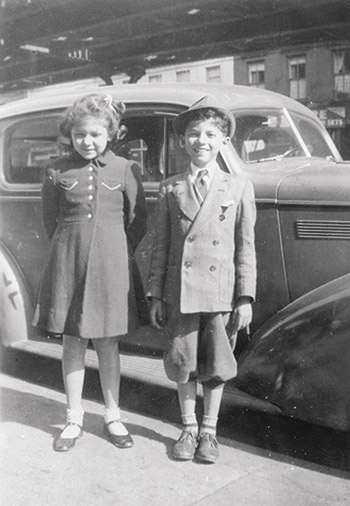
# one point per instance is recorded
(96, 105)
(219, 118)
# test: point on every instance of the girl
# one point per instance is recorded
(95, 216)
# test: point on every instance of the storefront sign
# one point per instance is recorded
(333, 117)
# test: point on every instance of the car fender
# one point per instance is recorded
(299, 360)
(15, 305)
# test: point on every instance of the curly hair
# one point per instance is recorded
(96, 105)
(219, 118)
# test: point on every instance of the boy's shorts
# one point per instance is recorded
(200, 347)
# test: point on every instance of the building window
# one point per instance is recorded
(257, 74)
(213, 74)
(157, 78)
(183, 76)
(297, 80)
(341, 63)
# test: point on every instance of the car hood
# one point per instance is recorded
(303, 180)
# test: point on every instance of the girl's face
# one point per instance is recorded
(202, 141)
(90, 138)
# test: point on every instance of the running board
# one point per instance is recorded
(147, 370)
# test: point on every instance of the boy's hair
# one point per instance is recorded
(95, 105)
(220, 119)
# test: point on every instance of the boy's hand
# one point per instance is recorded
(242, 314)
(157, 313)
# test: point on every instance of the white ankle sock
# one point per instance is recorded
(75, 416)
(110, 415)
(189, 423)
(209, 425)
(117, 427)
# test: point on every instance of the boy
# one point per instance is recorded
(203, 272)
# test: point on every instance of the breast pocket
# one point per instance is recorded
(68, 185)
(111, 185)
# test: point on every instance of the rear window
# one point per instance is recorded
(29, 145)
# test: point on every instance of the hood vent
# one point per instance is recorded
(322, 229)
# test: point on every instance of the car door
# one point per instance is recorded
(314, 212)
(150, 141)
(27, 143)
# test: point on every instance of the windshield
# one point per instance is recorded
(273, 135)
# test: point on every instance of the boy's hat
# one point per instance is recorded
(206, 102)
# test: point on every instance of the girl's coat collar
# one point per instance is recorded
(103, 159)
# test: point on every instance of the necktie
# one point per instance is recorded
(200, 185)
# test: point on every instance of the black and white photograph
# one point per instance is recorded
(175, 252)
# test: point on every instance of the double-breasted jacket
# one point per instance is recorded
(204, 256)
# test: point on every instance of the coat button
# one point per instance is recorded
(90, 169)
(216, 242)
(91, 178)
(90, 197)
(191, 238)
(188, 264)
(89, 216)
(212, 268)
(90, 187)
(221, 217)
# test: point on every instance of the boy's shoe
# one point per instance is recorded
(208, 448)
(65, 444)
(120, 441)
(185, 446)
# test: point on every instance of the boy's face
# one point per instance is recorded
(202, 141)
(90, 138)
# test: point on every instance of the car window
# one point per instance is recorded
(152, 142)
(148, 139)
(312, 136)
(177, 157)
(29, 145)
(265, 135)
(143, 141)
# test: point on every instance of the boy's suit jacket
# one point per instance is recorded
(204, 256)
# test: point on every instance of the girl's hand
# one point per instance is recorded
(242, 314)
(157, 313)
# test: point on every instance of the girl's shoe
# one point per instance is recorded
(123, 441)
(65, 444)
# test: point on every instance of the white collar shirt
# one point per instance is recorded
(211, 168)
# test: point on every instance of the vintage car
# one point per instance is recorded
(296, 361)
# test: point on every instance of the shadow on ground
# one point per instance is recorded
(284, 437)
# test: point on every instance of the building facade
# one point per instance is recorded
(317, 75)
(218, 70)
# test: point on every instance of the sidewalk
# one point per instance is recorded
(97, 474)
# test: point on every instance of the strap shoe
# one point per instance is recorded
(65, 444)
(120, 441)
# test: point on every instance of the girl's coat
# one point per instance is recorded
(94, 213)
